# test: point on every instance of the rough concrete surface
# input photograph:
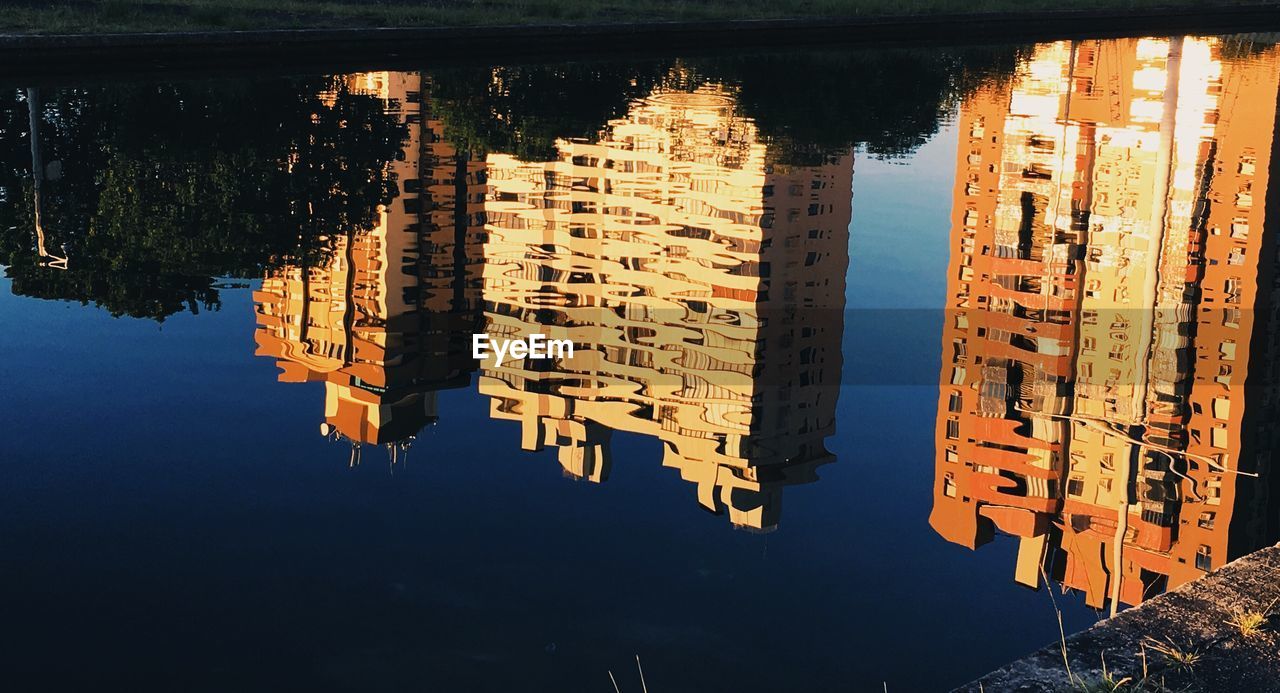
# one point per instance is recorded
(1195, 618)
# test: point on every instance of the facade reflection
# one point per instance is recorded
(1108, 388)
(384, 322)
(703, 285)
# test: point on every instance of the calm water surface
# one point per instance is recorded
(875, 351)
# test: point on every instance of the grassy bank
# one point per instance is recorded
(112, 16)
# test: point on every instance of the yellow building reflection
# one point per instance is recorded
(702, 283)
(1108, 387)
(384, 322)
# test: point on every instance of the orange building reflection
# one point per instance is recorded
(702, 283)
(1109, 355)
(384, 322)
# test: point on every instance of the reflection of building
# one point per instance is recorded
(1105, 383)
(702, 285)
(384, 322)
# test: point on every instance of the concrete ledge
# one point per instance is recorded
(42, 53)
(1194, 618)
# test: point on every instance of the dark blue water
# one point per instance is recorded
(170, 519)
(173, 519)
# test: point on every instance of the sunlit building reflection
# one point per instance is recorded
(1108, 389)
(702, 283)
(383, 322)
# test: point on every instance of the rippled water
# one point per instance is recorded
(995, 321)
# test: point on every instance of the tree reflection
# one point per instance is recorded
(152, 190)
(890, 101)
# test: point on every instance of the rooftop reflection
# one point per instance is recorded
(1108, 389)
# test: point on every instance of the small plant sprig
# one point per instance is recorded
(1252, 622)
(1183, 659)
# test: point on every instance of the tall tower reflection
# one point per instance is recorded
(384, 322)
(1109, 354)
(702, 282)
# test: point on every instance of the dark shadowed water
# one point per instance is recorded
(879, 357)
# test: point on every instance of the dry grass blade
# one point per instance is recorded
(1062, 631)
(639, 668)
(1184, 658)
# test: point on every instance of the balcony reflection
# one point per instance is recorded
(1108, 389)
